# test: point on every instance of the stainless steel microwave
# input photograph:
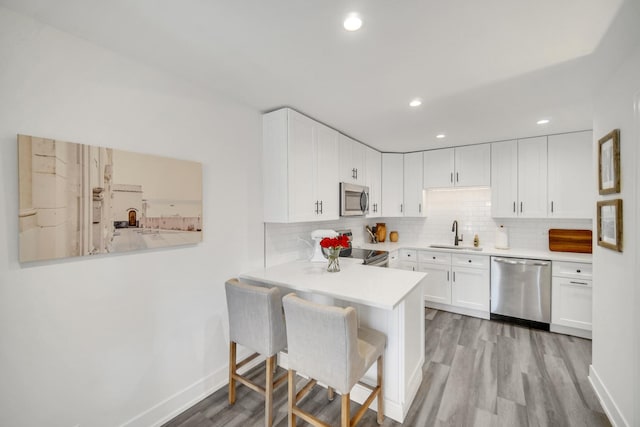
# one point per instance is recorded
(354, 199)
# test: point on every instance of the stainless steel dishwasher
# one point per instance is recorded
(521, 291)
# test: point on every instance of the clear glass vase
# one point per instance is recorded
(333, 255)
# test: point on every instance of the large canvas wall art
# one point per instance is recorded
(78, 200)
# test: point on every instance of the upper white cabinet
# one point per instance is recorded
(373, 180)
(300, 168)
(468, 166)
(473, 166)
(413, 194)
(532, 177)
(438, 168)
(352, 161)
(570, 178)
(519, 178)
(392, 184)
(504, 179)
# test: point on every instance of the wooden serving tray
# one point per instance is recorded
(561, 240)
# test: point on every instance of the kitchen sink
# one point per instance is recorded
(466, 248)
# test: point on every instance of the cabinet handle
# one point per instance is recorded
(578, 271)
(420, 207)
(317, 210)
(451, 177)
(514, 207)
(400, 207)
(457, 180)
(356, 173)
(454, 276)
(520, 207)
(573, 282)
(447, 275)
(320, 207)
(552, 206)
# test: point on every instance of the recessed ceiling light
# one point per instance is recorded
(543, 121)
(352, 22)
(440, 135)
(415, 103)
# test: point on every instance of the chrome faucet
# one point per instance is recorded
(457, 239)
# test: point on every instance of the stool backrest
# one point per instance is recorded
(255, 317)
(323, 342)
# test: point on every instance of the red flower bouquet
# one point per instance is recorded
(333, 245)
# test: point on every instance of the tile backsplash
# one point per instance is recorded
(470, 207)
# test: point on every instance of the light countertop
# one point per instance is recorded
(377, 287)
(513, 252)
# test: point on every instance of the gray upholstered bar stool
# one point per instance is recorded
(256, 322)
(325, 343)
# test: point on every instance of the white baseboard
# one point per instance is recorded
(610, 408)
(458, 310)
(567, 330)
(184, 399)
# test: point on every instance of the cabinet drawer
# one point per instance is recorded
(432, 257)
(475, 261)
(407, 265)
(408, 255)
(580, 270)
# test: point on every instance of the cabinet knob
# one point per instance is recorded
(469, 260)
(434, 257)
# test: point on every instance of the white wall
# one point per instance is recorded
(616, 293)
(99, 341)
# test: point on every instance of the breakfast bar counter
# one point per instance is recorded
(386, 299)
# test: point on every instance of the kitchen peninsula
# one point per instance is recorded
(386, 299)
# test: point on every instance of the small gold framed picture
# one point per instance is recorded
(609, 163)
(610, 224)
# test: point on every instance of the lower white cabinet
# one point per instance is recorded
(571, 298)
(454, 282)
(437, 285)
(470, 284)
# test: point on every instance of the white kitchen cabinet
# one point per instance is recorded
(468, 166)
(570, 175)
(532, 177)
(373, 180)
(504, 179)
(392, 185)
(300, 168)
(413, 194)
(470, 285)
(571, 298)
(352, 161)
(519, 178)
(436, 286)
(473, 166)
(439, 168)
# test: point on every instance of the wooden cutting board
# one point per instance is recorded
(561, 240)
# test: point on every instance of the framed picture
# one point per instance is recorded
(610, 224)
(609, 163)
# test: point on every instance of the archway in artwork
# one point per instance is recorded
(133, 218)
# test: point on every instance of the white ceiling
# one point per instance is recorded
(485, 70)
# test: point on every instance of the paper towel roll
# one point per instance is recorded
(502, 238)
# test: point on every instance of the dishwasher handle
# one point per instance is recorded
(522, 262)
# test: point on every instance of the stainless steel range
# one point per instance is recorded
(371, 257)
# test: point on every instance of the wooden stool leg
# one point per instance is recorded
(345, 413)
(268, 393)
(330, 393)
(381, 394)
(292, 397)
(232, 372)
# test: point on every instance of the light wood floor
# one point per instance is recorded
(476, 373)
